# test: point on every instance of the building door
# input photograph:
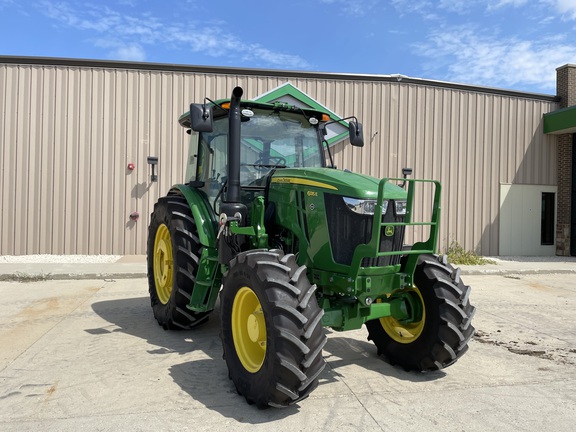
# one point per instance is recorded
(527, 220)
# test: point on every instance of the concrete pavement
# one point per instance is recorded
(80, 349)
(523, 265)
(124, 267)
(88, 355)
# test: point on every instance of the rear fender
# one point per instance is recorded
(204, 217)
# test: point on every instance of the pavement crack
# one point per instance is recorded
(529, 348)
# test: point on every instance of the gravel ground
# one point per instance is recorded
(59, 259)
(103, 259)
(527, 259)
(106, 259)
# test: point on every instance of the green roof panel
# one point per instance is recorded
(561, 121)
(291, 94)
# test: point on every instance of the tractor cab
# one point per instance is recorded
(272, 137)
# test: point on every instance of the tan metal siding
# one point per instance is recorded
(471, 142)
(9, 90)
(68, 133)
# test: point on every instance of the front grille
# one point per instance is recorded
(348, 229)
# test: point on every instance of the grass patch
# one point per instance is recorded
(460, 256)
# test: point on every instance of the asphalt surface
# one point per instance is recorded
(87, 354)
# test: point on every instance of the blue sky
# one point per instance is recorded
(512, 44)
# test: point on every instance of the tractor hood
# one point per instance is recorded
(337, 182)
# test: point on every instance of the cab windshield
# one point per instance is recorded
(269, 140)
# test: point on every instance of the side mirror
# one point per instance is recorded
(356, 134)
(201, 119)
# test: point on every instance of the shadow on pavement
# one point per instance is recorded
(134, 317)
(206, 379)
(341, 351)
(217, 392)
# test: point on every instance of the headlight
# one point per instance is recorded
(365, 207)
(400, 207)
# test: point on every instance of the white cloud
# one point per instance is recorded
(407, 6)
(458, 6)
(566, 7)
(274, 58)
(130, 53)
(123, 51)
(436, 8)
(353, 7)
(497, 50)
(492, 61)
(128, 35)
(495, 4)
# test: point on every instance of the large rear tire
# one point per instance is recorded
(173, 254)
(271, 328)
(441, 335)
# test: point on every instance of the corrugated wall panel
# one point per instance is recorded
(469, 141)
(7, 133)
(59, 141)
(22, 155)
(68, 134)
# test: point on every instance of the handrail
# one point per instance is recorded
(372, 248)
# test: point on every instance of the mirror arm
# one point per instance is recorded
(354, 129)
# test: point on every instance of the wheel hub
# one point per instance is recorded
(249, 329)
(163, 263)
(404, 331)
(256, 326)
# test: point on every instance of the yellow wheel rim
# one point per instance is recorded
(249, 329)
(163, 263)
(405, 333)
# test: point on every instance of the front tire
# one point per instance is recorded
(441, 334)
(271, 328)
(173, 254)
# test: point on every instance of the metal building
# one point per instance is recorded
(70, 128)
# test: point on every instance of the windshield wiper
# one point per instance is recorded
(264, 165)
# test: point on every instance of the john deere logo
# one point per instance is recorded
(389, 231)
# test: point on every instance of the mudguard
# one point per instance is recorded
(203, 215)
(209, 276)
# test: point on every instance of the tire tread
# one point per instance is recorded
(296, 338)
(173, 211)
(443, 342)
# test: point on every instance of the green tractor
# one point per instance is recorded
(291, 244)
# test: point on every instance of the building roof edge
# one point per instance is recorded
(117, 64)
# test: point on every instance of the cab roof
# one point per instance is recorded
(219, 111)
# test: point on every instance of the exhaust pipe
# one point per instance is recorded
(234, 122)
(231, 206)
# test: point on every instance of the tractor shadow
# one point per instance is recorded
(351, 362)
(357, 358)
(134, 316)
(202, 373)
